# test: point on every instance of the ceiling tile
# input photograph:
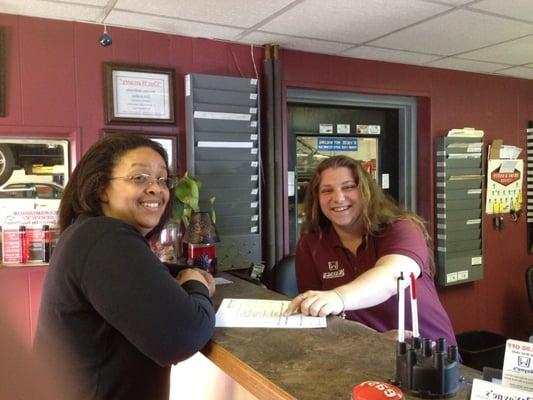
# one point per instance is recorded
(455, 32)
(515, 52)
(11, 6)
(53, 10)
(288, 42)
(521, 9)
(354, 21)
(416, 32)
(397, 56)
(465, 65)
(228, 12)
(99, 3)
(169, 25)
(518, 72)
(455, 3)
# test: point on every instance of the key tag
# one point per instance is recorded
(495, 218)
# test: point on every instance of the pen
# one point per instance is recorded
(414, 306)
(401, 309)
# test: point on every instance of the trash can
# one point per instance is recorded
(480, 349)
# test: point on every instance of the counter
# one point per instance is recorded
(303, 364)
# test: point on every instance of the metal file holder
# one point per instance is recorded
(459, 209)
(223, 152)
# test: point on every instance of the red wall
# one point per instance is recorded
(55, 87)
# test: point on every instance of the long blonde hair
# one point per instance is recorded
(379, 209)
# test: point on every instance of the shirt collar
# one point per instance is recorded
(331, 236)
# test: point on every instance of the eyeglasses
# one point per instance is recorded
(147, 180)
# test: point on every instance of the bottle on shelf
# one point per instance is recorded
(47, 242)
(23, 245)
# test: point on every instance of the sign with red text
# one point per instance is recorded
(504, 186)
(28, 217)
(10, 246)
(141, 95)
(518, 365)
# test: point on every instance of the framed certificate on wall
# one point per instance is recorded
(139, 94)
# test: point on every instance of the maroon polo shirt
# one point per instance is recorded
(324, 264)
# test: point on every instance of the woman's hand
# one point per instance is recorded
(316, 304)
(197, 274)
(209, 279)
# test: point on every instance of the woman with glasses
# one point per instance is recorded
(355, 245)
(108, 302)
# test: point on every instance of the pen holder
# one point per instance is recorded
(428, 372)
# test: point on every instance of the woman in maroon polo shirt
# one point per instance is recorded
(355, 244)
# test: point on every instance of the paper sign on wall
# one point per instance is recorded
(504, 186)
(343, 128)
(325, 128)
(518, 365)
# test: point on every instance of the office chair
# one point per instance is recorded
(529, 289)
(285, 277)
(529, 285)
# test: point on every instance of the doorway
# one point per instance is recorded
(380, 131)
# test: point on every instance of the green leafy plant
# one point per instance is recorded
(187, 191)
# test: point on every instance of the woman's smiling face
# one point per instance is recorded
(339, 198)
(138, 204)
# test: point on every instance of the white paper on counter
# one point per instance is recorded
(222, 281)
(255, 313)
(483, 390)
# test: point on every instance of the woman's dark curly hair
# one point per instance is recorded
(92, 175)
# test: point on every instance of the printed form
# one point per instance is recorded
(255, 313)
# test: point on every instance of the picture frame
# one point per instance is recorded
(167, 140)
(139, 94)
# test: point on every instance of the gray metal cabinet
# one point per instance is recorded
(459, 209)
(223, 152)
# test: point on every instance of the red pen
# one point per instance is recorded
(414, 306)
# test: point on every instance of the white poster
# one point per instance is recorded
(504, 186)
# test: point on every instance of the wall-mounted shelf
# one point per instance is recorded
(459, 209)
(22, 266)
(223, 150)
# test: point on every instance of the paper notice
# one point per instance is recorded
(255, 313)
(518, 365)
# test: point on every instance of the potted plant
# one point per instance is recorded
(168, 246)
(200, 234)
(187, 192)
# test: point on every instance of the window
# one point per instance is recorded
(33, 173)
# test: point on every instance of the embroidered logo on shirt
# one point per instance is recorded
(333, 274)
(333, 265)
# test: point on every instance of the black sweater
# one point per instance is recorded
(115, 316)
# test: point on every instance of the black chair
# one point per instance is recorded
(529, 285)
(285, 277)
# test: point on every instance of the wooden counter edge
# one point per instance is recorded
(247, 377)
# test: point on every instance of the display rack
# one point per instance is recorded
(459, 209)
(223, 153)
